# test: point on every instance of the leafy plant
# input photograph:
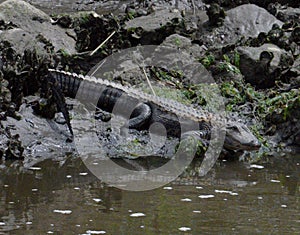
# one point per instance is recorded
(207, 61)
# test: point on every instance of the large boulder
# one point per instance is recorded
(243, 21)
(259, 70)
(154, 28)
(185, 44)
(33, 28)
(284, 13)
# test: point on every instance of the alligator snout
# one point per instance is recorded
(255, 144)
(239, 137)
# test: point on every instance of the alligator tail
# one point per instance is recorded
(60, 98)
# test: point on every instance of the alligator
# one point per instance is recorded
(147, 109)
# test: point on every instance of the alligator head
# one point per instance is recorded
(239, 137)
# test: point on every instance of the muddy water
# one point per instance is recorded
(64, 198)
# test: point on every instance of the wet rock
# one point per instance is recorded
(262, 65)
(194, 22)
(295, 68)
(284, 13)
(32, 25)
(264, 4)
(216, 15)
(10, 145)
(244, 21)
(20, 40)
(41, 138)
(240, 23)
(155, 27)
(182, 43)
(156, 5)
(295, 35)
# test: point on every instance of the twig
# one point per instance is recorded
(194, 7)
(94, 51)
(100, 65)
(148, 81)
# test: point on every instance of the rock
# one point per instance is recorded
(22, 40)
(296, 67)
(155, 27)
(284, 13)
(216, 15)
(41, 138)
(262, 65)
(249, 20)
(243, 21)
(155, 5)
(32, 26)
(264, 4)
(181, 43)
(10, 145)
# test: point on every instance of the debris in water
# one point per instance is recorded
(226, 191)
(184, 229)
(275, 181)
(257, 166)
(137, 215)
(95, 232)
(186, 200)
(206, 196)
(65, 212)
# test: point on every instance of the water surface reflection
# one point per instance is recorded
(233, 198)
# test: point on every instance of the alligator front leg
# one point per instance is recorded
(201, 136)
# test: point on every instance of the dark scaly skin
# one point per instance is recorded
(238, 136)
(60, 100)
(143, 114)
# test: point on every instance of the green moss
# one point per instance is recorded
(255, 130)
(234, 95)
(228, 67)
(177, 42)
(64, 53)
(264, 103)
(236, 59)
(207, 61)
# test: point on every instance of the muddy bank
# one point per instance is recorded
(254, 59)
